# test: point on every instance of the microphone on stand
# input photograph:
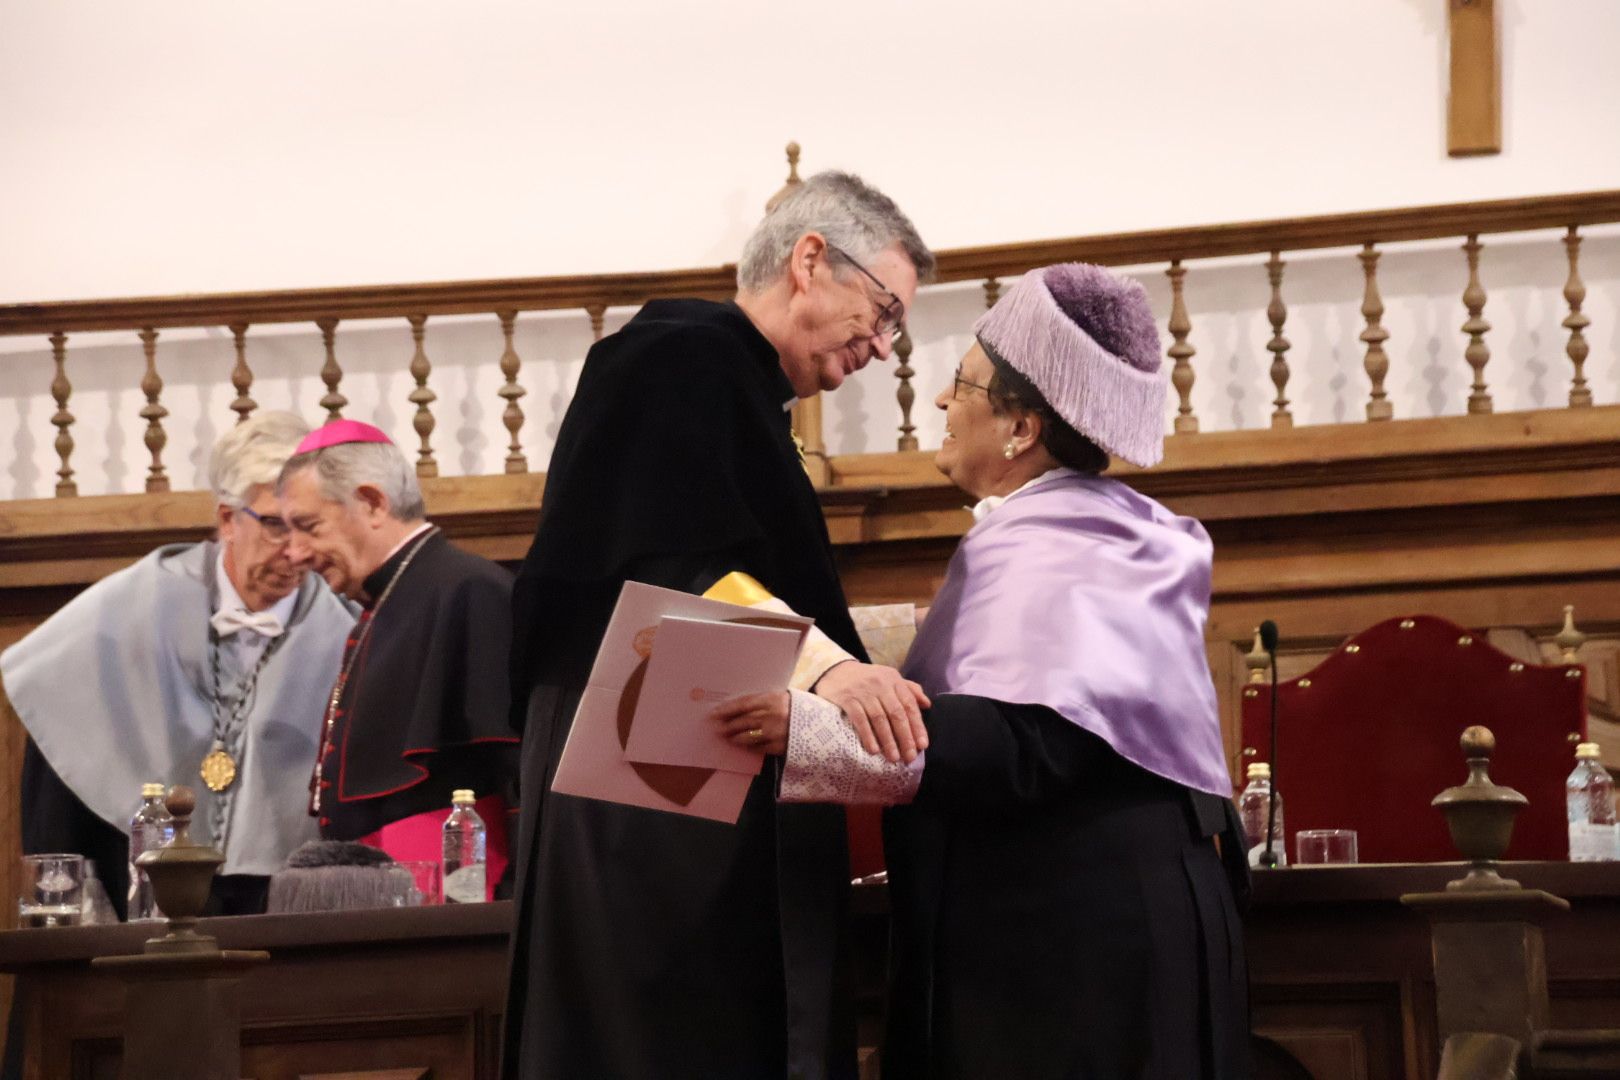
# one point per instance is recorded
(1268, 642)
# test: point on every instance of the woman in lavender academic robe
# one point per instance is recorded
(1061, 906)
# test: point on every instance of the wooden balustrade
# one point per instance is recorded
(1370, 234)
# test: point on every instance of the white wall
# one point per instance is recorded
(202, 147)
(198, 146)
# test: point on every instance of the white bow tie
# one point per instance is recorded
(231, 620)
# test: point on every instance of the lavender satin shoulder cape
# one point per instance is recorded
(1082, 595)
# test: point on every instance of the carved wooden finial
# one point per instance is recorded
(1569, 640)
(1257, 660)
(181, 802)
(792, 181)
(1480, 814)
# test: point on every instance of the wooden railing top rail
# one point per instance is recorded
(963, 264)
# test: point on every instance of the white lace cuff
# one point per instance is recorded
(826, 763)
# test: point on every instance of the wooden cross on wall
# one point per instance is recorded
(1474, 104)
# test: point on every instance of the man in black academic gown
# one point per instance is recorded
(657, 945)
(420, 707)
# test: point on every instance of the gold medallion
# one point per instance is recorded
(218, 770)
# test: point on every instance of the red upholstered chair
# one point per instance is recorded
(1369, 737)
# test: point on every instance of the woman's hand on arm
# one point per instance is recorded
(883, 706)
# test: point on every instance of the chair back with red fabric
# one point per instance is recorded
(1369, 737)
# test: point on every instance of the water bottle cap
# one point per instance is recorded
(1586, 750)
(1259, 770)
(153, 791)
(462, 795)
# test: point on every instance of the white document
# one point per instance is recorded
(593, 764)
(696, 664)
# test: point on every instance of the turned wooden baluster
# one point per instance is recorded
(422, 397)
(1181, 375)
(905, 394)
(1575, 322)
(61, 390)
(597, 312)
(1377, 361)
(992, 292)
(512, 416)
(331, 374)
(242, 375)
(153, 413)
(1478, 353)
(1277, 312)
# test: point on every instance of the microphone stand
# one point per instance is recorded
(1268, 857)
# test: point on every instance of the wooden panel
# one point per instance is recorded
(372, 1074)
(1474, 106)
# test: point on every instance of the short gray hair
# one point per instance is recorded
(251, 454)
(853, 216)
(344, 468)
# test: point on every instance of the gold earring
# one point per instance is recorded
(1009, 451)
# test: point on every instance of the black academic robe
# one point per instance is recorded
(425, 708)
(649, 944)
(1060, 912)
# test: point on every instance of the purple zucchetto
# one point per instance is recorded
(1086, 338)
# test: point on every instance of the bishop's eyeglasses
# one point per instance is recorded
(891, 317)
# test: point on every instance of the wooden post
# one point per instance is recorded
(1478, 353)
(331, 374)
(1575, 322)
(422, 397)
(807, 429)
(1181, 353)
(1377, 361)
(905, 395)
(512, 416)
(61, 390)
(1277, 313)
(1474, 103)
(242, 375)
(153, 413)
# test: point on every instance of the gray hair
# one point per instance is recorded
(853, 216)
(344, 468)
(251, 454)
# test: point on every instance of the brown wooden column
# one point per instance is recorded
(61, 390)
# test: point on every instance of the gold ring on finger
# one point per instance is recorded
(756, 734)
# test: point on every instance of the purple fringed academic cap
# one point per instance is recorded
(1086, 338)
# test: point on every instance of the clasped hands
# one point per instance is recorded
(883, 706)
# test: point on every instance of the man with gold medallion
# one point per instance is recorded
(204, 664)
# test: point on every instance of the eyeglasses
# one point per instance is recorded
(275, 528)
(959, 384)
(893, 314)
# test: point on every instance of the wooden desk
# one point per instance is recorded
(1341, 977)
(400, 994)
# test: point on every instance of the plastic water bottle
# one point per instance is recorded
(464, 849)
(1589, 797)
(150, 829)
(1254, 809)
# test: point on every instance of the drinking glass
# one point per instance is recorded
(51, 892)
(1324, 847)
(415, 884)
